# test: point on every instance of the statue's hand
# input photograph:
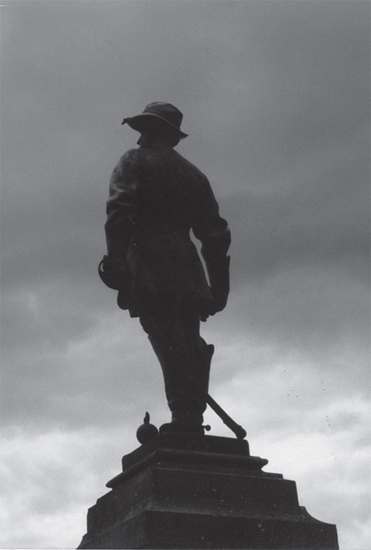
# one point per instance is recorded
(219, 302)
(113, 263)
(113, 272)
(218, 271)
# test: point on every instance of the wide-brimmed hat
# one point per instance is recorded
(157, 110)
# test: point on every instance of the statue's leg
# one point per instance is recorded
(185, 361)
(187, 401)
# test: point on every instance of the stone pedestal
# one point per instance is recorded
(191, 491)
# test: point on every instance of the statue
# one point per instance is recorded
(224, 500)
(155, 198)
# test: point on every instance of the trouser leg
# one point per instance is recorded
(186, 382)
(185, 361)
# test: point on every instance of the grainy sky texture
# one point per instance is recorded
(275, 96)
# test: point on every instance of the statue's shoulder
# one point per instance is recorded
(132, 159)
(132, 155)
(189, 168)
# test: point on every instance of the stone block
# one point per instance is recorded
(190, 491)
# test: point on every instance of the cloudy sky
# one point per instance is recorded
(275, 96)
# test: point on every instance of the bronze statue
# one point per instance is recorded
(155, 198)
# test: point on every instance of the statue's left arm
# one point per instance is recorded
(213, 232)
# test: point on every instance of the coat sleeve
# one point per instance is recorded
(121, 204)
(213, 232)
(209, 227)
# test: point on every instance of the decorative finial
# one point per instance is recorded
(146, 431)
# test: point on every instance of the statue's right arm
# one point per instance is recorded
(120, 209)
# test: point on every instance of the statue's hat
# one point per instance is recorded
(158, 110)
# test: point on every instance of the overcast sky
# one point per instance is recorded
(275, 96)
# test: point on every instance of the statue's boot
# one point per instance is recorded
(185, 392)
(187, 414)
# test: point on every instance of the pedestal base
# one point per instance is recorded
(186, 491)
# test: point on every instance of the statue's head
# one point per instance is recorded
(158, 118)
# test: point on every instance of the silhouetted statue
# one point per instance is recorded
(155, 198)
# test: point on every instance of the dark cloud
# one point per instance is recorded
(323, 220)
(278, 129)
(276, 102)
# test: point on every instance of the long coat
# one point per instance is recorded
(155, 198)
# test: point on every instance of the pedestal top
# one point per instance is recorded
(203, 450)
(188, 442)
